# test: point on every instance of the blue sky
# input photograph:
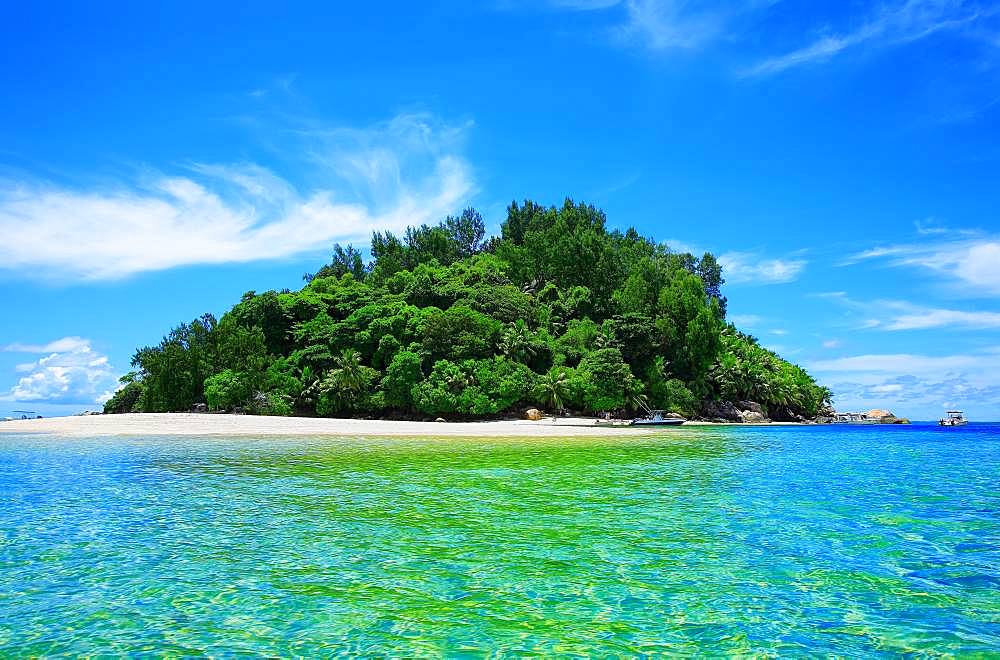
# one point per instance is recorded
(842, 158)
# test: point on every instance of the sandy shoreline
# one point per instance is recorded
(201, 424)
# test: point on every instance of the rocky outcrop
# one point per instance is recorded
(721, 411)
(744, 412)
(534, 414)
(753, 417)
(783, 414)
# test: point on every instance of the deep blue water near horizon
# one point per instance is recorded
(849, 540)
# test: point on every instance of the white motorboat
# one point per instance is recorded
(954, 418)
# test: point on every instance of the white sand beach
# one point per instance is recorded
(202, 424)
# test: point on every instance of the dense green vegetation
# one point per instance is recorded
(556, 312)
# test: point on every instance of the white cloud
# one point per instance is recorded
(895, 315)
(71, 372)
(973, 262)
(901, 23)
(925, 318)
(745, 320)
(404, 171)
(832, 343)
(902, 363)
(915, 385)
(66, 344)
(746, 267)
(680, 247)
(978, 266)
(932, 227)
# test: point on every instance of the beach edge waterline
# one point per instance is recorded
(194, 424)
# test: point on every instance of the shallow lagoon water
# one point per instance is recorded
(791, 540)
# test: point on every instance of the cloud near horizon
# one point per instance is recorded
(914, 384)
(403, 171)
(72, 372)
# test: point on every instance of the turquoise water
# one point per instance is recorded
(852, 541)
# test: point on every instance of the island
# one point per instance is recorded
(556, 313)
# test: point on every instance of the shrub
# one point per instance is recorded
(124, 400)
(226, 390)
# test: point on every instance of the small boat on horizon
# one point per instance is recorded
(954, 418)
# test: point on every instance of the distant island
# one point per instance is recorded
(556, 312)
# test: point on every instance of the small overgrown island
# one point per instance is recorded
(556, 312)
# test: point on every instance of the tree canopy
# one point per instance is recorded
(557, 311)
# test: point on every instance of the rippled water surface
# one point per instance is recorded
(855, 541)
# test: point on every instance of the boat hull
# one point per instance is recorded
(657, 422)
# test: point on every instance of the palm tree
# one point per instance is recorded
(516, 343)
(310, 387)
(346, 373)
(552, 389)
(636, 400)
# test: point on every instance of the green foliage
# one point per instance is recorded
(459, 333)
(747, 371)
(670, 394)
(268, 314)
(282, 379)
(227, 389)
(558, 310)
(553, 389)
(505, 383)
(608, 381)
(445, 391)
(402, 374)
(274, 404)
(174, 372)
(347, 387)
(125, 399)
(344, 260)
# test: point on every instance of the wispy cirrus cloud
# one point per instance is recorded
(897, 315)
(666, 25)
(934, 227)
(746, 320)
(891, 25)
(972, 262)
(407, 170)
(746, 267)
(907, 363)
(673, 25)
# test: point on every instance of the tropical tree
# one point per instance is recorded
(517, 343)
(552, 389)
(558, 309)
